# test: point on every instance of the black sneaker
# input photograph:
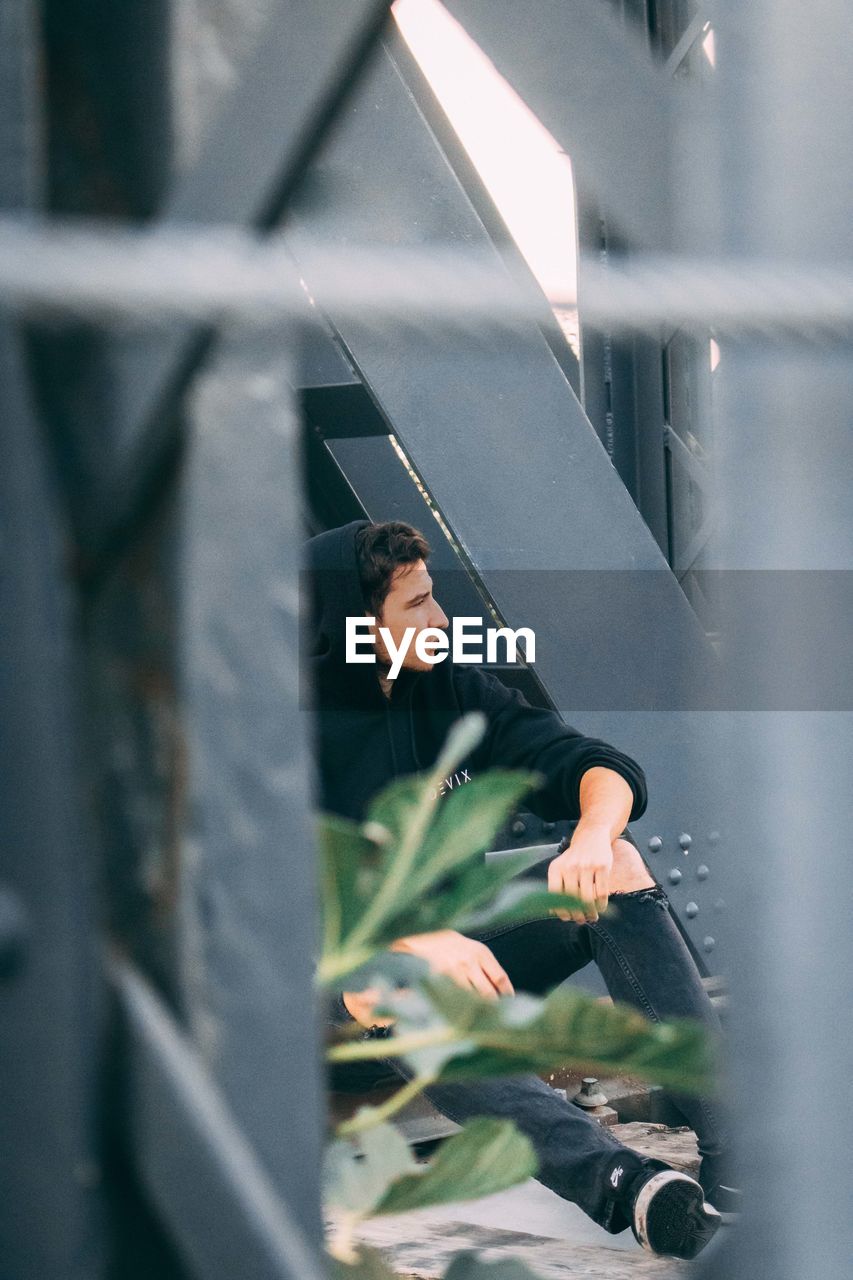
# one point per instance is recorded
(669, 1215)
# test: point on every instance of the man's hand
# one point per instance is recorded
(468, 963)
(583, 870)
(361, 1004)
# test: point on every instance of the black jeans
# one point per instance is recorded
(645, 963)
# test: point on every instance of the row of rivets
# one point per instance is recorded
(685, 840)
(675, 875)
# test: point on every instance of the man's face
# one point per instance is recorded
(409, 603)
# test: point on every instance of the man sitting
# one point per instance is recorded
(370, 729)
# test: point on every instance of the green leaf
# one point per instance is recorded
(349, 865)
(356, 1179)
(468, 888)
(369, 1265)
(488, 1155)
(408, 869)
(466, 823)
(568, 1027)
(465, 735)
(385, 970)
(451, 1033)
(515, 904)
(467, 1266)
(393, 807)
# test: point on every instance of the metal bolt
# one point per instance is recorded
(548, 826)
(589, 1095)
(675, 876)
(691, 910)
(655, 844)
(685, 841)
(714, 837)
(518, 827)
(709, 943)
(14, 933)
(719, 905)
(702, 872)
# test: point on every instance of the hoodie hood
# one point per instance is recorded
(334, 594)
(362, 738)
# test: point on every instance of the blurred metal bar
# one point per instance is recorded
(248, 880)
(108, 123)
(50, 1003)
(51, 1222)
(214, 274)
(201, 1174)
(21, 149)
(785, 467)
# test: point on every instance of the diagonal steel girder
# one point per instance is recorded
(305, 63)
(592, 83)
(306, 60)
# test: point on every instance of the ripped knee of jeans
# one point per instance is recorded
(651, 893)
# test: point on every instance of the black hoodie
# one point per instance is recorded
(364, 739)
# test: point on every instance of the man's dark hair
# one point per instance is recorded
(380, 549)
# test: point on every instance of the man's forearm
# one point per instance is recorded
(606, 800)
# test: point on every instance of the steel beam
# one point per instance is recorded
(51, 1225)
(247, 876)
(50, 1004)
(591, 82)
(21, 150)
(201, 1174)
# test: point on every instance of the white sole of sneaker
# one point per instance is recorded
(647, 1194)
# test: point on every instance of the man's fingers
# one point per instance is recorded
(555, 885)
(498, 977)
(481, 984)
(587, 892)
(576, 888)
(602, 889)
(360, 1005)
(560, 883)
